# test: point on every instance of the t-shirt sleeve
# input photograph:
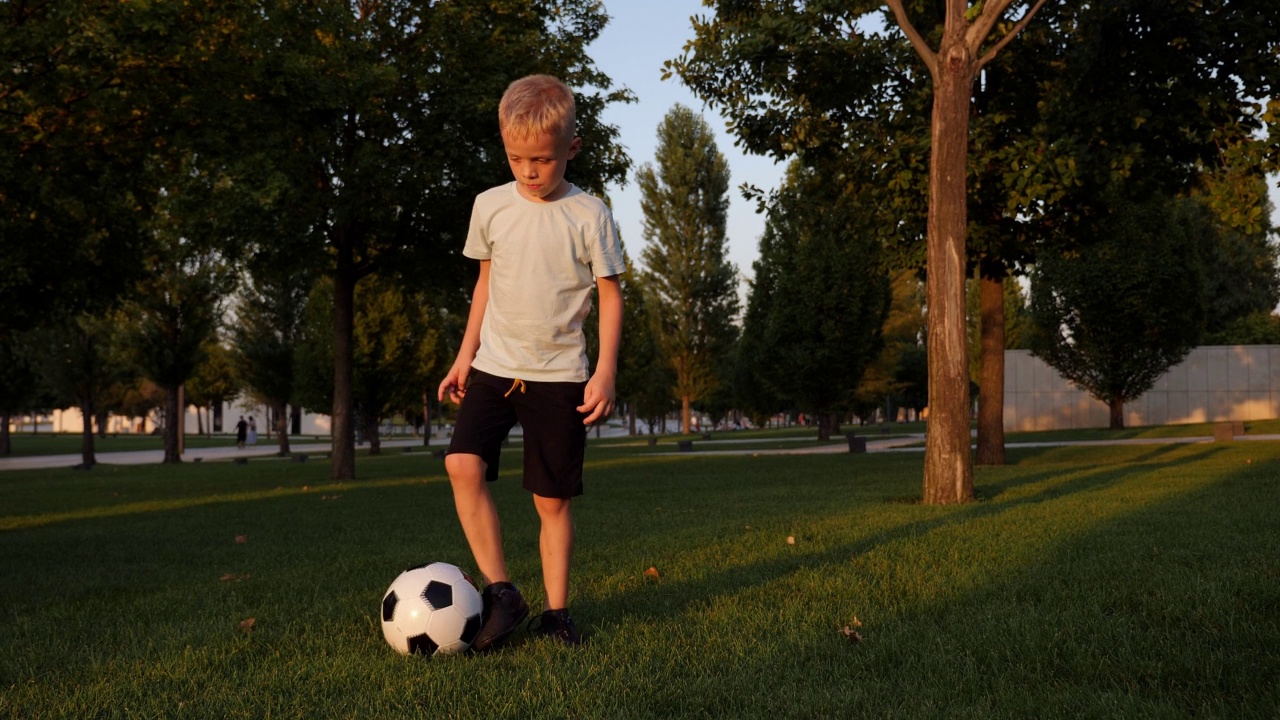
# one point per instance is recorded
(606, 251)
(478, 245)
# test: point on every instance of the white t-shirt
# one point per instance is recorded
(545, 258)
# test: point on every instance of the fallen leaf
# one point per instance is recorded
(652, 573)
(247, 624)
(856, 622)
(242, 539)
(791, 540)
(227, 578)
(852, 635)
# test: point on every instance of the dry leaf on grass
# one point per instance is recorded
(791, 539)
(242, 539)
(652, 573)
(850, 632)
(247, 624)
(231, 577)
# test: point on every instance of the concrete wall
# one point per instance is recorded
(1213, 383)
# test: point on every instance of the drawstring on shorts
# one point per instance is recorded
(518, 383)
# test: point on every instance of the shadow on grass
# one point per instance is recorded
(675, 594)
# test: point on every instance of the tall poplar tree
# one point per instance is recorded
(693, 285)
(828, 295)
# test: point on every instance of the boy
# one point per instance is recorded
(542, 243)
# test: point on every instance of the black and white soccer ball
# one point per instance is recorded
(431, 609)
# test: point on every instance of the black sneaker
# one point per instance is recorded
(504, 610)
(557, 624)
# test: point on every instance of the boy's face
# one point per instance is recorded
(538, 163)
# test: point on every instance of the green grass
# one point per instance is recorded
(1107, 582)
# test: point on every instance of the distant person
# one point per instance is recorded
(542, 244)
(252, 437)
(242, 429)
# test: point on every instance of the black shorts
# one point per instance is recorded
(555, 439)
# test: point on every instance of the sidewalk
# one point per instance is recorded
(210, 454)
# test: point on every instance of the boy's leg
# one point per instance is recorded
(477, 514)
(484, 419)
(555, 544)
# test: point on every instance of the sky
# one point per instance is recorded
(640, 36)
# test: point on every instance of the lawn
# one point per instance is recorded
(1107, 582)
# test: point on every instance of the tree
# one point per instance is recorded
(719, 66)
(1098, 99)
(174, 313)
(395, 351)
(694, 287)
(19, 383)
(214, 381)
(266, 330)
(396, 337)
(79, 359)
(889, 380)
(377, 126)
(1115, 315)
(828, 295)
(97, 99)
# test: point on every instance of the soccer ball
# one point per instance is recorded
(431, 609)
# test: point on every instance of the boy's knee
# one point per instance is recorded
(551, 507)
(464, 469)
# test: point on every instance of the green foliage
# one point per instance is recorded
(825, 295)
(215, 380)
(265, 332)
(898, 376)
(398, 338)
(692, 286)
(645, 378)
(1118, 313)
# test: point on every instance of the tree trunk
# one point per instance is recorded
(948, 470)
(87, 457)
(426, 417)
(825, 421)
(282, 425)
(6, 443)
(371, 433)
(1116, 406)
(343, 463)
(686, 415)
(991, 378)
(171, 409)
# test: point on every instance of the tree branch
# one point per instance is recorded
(925, 52)
(986, 20)
(1017, 28)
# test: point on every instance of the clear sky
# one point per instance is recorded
(641, 34)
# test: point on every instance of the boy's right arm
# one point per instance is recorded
(454, 384)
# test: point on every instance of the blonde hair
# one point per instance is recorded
(537, 104)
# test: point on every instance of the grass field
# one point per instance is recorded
(1086, 582)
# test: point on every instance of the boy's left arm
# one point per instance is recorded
(597, 399)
